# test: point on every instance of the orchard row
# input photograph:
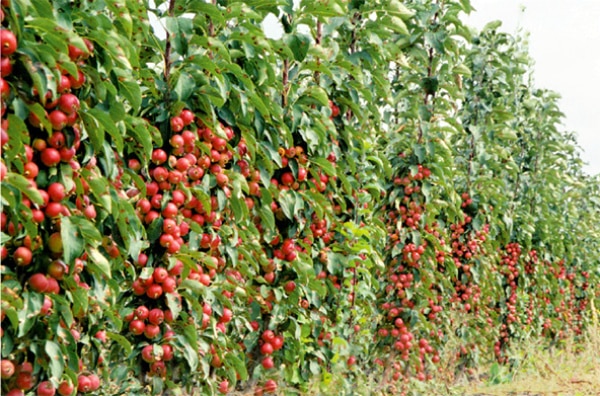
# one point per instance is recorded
(221, 211)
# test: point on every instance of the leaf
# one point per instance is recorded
(185, 86)
(398, 9)
(208, 9)
(190, 346)
(493, 25)
(299, 44)
(23, 185)
(233, 361)
(80, 301)
(109, 126)
(174, 304)
(290, 202)
(56, 361)
(73, 244)
(94, 130)
(267, 218)
(98, 261)
(122, 341)
(193, 285)
(131, 91)
(324, 165)
(317, 93)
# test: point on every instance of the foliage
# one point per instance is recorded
(220, 210)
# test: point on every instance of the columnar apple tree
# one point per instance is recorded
(217, 210)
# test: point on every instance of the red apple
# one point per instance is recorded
(66, 388)
(46, 388)
(38, 282)
(7, 368)
(8, 42)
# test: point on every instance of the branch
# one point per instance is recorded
(318, 40)
(168, 45)
(284, 93)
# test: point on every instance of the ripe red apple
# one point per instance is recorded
(156, 316)
(158, 368)
(167, 352)
(277, 342)
(95, 381)
(68, 103)
(141, 312)
(7, 369)
(100, 335)
(15, 392)
(290, 286)
(5, 66)
(267, 363)
(148, 354)
(154, 291)
(50, 156)
(351, 360)
(4, 91)
(25, 367)
(66, 388)
(64, 85)
(24, 381)
(160, 274)
(53, 286)
(151, 331)
(227, 315)
(177, 125)
(224, 386)
(46, 306)
(270, 386)
(169, 285)
(58, 119)
(187, 116)
(46, 388)
(77, 82)
(53, 210)
(38, 282)
(84, 384)
(8, 42)
(137, 327)
(23, 256)
(30, 170)
(56, 192)
(266, 348)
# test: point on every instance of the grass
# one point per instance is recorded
(571, 370)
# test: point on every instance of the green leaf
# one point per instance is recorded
(233, 361)
(73, 244)
(109, 125)
(98, 261)
(23, 185)
(185, 86)
(94, 130)
(55, 359)
(131, 91)
(299, 44)
(174, 304)
(324, 165)
(190, 346)
(122, 341)
(317, 93)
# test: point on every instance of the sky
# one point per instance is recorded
(564, 42)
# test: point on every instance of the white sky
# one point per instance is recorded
(564, 42)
